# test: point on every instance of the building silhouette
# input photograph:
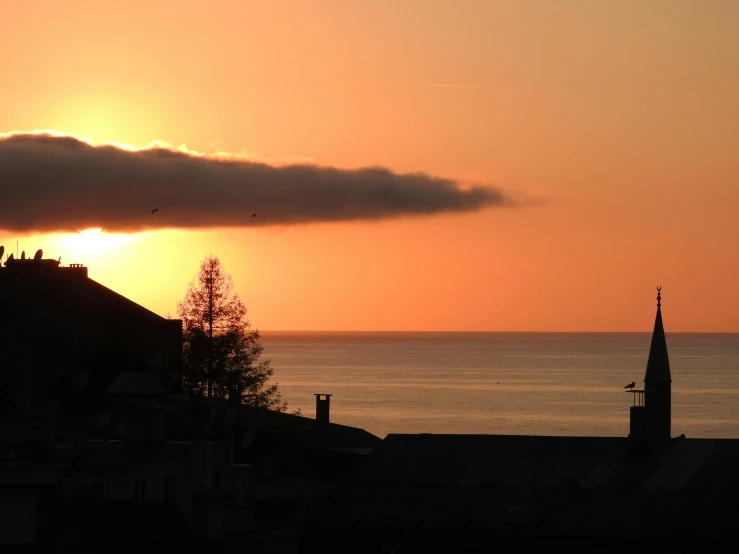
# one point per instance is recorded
(651, 413)
(646, 492)
(62, 331)
(100, 450)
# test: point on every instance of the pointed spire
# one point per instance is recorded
(658, 364)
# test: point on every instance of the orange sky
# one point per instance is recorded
(620, 116)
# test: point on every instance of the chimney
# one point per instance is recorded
(78, 270)
(322, 408)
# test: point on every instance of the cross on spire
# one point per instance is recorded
(658, 364)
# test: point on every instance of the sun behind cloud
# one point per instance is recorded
(93, 247)
(79, 185)
(94, 242)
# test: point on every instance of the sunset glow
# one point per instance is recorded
(503, 166)
(91, 243)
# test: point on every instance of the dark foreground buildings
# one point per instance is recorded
(63, 335)
(101, 452)
(648, 492)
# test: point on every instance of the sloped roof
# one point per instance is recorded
(308, 431)
(303, 430)
(550, 461)
(65, 287)
(500, 480)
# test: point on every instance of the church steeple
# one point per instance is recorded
(658, 381)
(658, 364)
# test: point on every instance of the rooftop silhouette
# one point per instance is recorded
(95, 425)
(91, 385)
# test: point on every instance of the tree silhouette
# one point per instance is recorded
(220, 349)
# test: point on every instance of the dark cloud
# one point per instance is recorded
(51, 182)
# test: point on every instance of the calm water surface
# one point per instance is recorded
(504, 383)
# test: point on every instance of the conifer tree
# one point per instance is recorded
(221, 351)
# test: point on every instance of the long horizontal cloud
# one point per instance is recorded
(51, 182)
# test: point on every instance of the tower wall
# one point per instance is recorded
(638, 425)
(658, 404)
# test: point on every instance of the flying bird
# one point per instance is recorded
(630, 385)
(254, 215)
(154, 210)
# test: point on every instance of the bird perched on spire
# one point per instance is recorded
(154, 210)
(630, 385)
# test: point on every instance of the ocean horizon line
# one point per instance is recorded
(335, 332)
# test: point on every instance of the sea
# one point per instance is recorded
(569, 384)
